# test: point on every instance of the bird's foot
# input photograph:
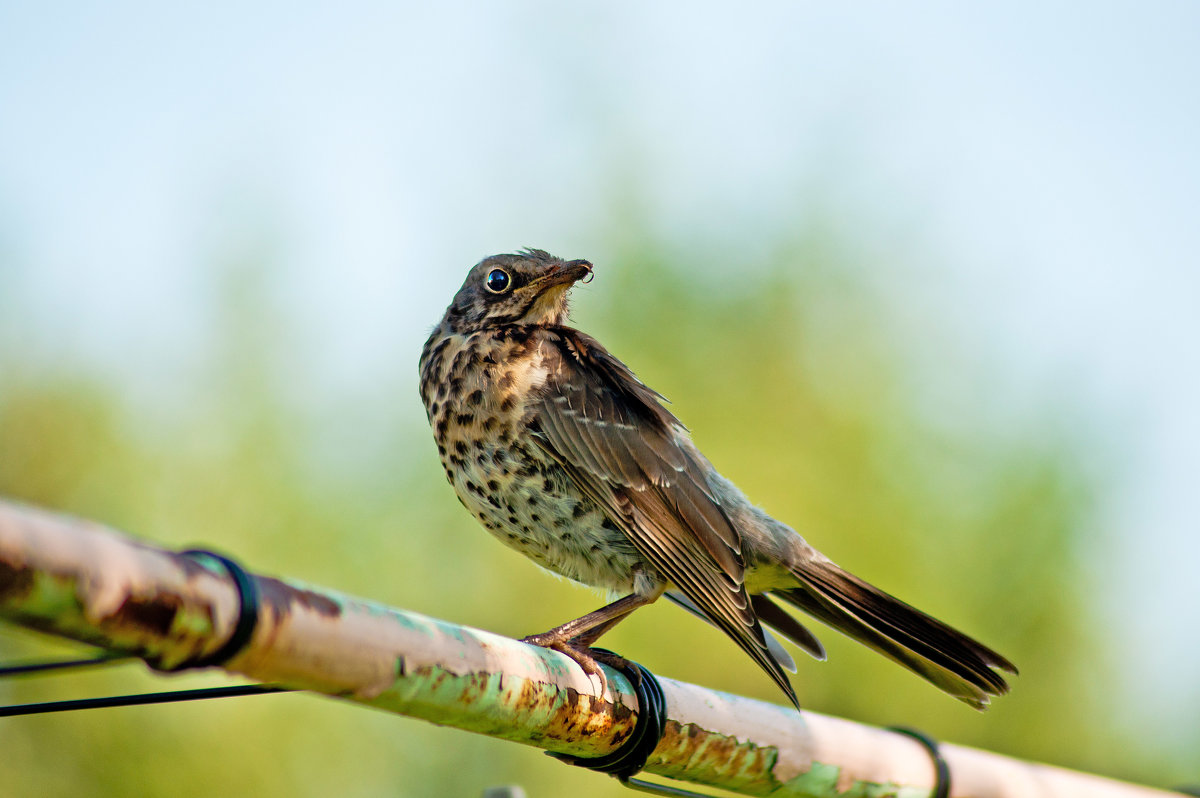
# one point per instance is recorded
(589, 659)
(614, 661)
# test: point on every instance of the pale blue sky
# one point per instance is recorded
(1047, 153)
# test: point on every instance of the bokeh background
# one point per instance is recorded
(920, 277)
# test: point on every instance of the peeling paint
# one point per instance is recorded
(86, 582)
(281, 597)
(820, 781)
(156, 616)
(708, 757)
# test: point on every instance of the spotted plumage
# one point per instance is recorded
(563, 454)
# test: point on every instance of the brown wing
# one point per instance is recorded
(618, 444)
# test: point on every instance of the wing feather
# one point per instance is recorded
(631, 456)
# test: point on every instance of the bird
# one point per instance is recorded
(563, 454)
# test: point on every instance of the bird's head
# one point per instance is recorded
(528, 287)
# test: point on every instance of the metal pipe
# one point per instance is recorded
(84, 581)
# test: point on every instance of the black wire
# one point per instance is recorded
(35, 668)
(941, 788)
(247, 619)
(631, 756)
(662, 789)
(141, 698)
(243, 630)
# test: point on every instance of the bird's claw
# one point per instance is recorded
(589, 659)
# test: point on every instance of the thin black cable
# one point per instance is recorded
(651, 722)
(37, 668)
(247, 620)
(243, 631)
(631, 757)
(941, 788)
(662, 789)
(141, 698)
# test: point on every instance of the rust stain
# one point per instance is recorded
(525, 695)
(715, 757)
(282, 597)
(15, 582)
(583, 716)
(472, 689)
(564, 714)
(570, 716)
(156, 614)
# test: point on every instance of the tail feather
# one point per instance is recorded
(955, 663)
(778, 652)
(778, 619)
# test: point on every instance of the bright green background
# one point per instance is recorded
(873, 436)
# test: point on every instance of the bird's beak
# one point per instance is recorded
(567, 274)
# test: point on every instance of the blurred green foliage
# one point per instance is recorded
(792, 373)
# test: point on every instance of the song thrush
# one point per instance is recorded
(564, 455)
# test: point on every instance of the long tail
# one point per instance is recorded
(957, 664)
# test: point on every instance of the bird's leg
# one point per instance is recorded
(574, 638)
(588, 628)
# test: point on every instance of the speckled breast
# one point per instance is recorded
(477, 391)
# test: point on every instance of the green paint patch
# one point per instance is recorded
(51, 597)
(821, 781)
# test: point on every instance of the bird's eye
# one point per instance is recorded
(497, 281)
